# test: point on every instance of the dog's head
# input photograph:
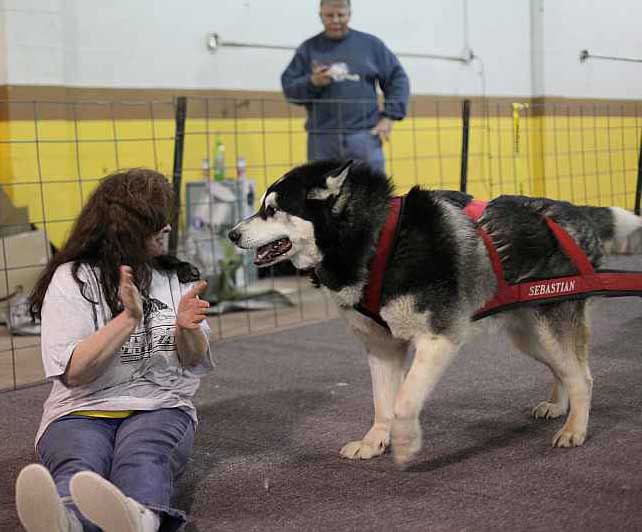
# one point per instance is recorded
(284, 226)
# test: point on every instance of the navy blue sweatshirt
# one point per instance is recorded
(357, 60)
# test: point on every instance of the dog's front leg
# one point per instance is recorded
(386, 370)
(386, 356)
(432, 355)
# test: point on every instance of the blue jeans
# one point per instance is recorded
(142, 455)
(361, 145)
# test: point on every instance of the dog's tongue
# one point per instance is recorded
(269, 252)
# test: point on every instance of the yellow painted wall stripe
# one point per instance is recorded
(53, 165)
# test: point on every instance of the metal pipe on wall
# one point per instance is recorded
(585, 54)
(214, 42)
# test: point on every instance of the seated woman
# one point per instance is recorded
(125, 341)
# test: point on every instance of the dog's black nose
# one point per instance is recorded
(234, 235)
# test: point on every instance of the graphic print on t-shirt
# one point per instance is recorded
(154, 337)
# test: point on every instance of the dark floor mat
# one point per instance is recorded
(278, 408)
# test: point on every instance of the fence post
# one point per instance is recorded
(179, 145)
(465, 116)
(638, 188)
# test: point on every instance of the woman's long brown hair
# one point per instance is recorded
(112, 230)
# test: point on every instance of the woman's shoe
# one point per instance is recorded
(39, 506)
(107, 507)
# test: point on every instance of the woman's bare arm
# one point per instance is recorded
(93, 354)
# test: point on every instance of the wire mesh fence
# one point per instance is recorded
(53, 154)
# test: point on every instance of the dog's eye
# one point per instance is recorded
(269, 210)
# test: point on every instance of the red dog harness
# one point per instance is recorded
(587, 282)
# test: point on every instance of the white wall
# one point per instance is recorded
(34, 38)
(609, 28)
(161, 43)
(3, 46)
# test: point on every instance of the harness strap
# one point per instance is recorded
(570, 247)
(371, 301)
(474, 210)
(617, 283)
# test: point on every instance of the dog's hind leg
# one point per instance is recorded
(559, 339)
(433, 353)
(574, 430)
(556, 406)
(386, 356)
(523, 329)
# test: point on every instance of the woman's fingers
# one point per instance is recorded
(197, 289)
(128, 293)
(126, 272)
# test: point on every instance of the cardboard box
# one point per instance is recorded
(13, 220)
(22, 258)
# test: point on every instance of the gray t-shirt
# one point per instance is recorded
(145, 374)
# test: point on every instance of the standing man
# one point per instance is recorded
(334, 75)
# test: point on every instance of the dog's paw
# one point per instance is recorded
(362, 449)
(373, 444)
(568, 438)
(548, 410)
(406, 439)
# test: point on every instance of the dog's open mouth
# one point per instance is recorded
(269, 252)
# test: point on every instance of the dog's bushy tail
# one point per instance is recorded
(620, 230)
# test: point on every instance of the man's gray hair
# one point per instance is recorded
(344, 2)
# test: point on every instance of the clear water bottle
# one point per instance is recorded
(241, 185)
(250, 197)
(241, 168)
(205, 169)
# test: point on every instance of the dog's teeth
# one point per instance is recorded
(269, 251)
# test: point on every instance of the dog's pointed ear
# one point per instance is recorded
(333, 184)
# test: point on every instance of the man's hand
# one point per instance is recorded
(191, 309)
(383, 129)
(320, 76)
(129, 295)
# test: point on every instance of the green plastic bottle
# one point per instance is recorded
(219, 160)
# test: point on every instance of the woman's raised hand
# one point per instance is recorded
(191, 309)
(129, 295)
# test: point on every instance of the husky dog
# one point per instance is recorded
(326, 217)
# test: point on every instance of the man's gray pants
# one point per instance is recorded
(361, 145)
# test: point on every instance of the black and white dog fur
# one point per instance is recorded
(325, 217)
